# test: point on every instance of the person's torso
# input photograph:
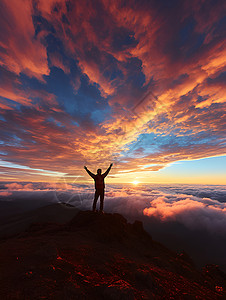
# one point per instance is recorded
(99, 182)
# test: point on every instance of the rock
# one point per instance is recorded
(46, 252)
(119, 290)
(144, 278)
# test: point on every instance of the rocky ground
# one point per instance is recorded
(100, 256)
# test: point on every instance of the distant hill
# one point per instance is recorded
(95, 256)
(57, 212)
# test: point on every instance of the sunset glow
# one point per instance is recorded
(135, 182)
(140, 84)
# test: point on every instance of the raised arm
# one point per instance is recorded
(108, 170)
(88, 171)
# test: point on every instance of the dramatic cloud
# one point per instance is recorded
(138, 83)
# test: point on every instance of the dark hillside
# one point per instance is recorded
(100, 257)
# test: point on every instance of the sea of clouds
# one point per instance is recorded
(183, 217)
(195, 206)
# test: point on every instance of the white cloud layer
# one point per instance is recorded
(165, 203)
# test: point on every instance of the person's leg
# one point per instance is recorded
(101, 200)
(95, 200)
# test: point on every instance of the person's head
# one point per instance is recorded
(99, 171)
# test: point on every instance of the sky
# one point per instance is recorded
(136, 83)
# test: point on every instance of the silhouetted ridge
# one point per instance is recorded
(108, 227)
(100, 256)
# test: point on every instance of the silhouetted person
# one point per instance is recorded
(99, 186)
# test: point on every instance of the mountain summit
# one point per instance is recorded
(100, 256)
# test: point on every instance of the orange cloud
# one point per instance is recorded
(14, 186)
(22, 51)
(15, 95)
(4, 106)
(56, 61)
(5, 194)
